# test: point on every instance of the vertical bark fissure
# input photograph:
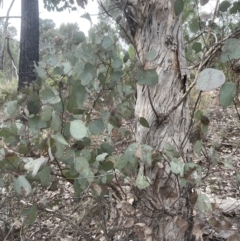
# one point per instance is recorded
(29, 43)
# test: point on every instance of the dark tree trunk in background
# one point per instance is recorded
(29, 43)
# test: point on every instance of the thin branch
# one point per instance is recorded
(10, 16)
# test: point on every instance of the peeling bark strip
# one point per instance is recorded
(158, 29)
(29, 43)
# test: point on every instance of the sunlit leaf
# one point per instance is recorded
(101, 157)
(210, 79)
(231, 50)
(77, 129)
(60, 138)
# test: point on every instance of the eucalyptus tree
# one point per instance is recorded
(29, 43)
(158, 201)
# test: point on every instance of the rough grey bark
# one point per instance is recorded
(4, 36)
(155, 27)
(162, 33)
(29, 43)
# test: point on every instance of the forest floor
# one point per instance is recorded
(63, 217)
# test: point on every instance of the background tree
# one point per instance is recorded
(12, 56)
(4, 35)
(29, 43)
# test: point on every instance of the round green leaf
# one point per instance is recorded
(22, 186)
(101, 157)
(41, 72)
(86, 78)
(147, 77)
(46, 114)
(122, 162)
(106, 147)
(51, 60)
(11, 108)
(78, 130)
(58, 70)
(151, 55)
(210, 79)
(81, 164)
(50, 96)
(45, 176)
(224, 5)
(30, 214)
(117, 63)
(227, 94)
(178, 6)
(107, 43)
(194, 26)
(231, 50)
(144, 122)
(34, 104)
(60, 138)
(96, 127)
(67, 68)
(107, 166)
(79, 37)
(197, 47)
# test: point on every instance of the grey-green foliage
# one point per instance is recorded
(59, 117)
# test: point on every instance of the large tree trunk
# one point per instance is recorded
(162, 33)
(155, 27)
(29, 43)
